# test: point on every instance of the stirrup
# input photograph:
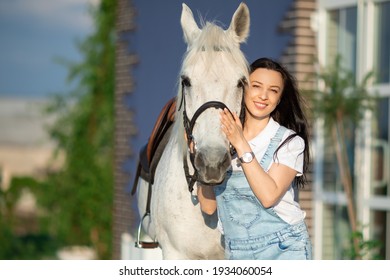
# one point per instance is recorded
(144, 244)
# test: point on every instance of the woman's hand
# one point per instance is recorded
(232, 127)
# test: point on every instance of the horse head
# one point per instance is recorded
(213, 75)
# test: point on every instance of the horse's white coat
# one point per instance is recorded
(214, 64)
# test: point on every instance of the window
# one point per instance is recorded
(368, 148)
(379, 222)
(341, 36)
(341, 39)
(336, 233)
(382, 48)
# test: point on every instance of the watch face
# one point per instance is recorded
(247, 157)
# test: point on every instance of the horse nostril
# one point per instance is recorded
(225, 163)
(212, 166)
(200, 160)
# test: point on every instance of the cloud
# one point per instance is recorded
(62, 13)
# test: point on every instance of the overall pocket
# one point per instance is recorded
(242, 209)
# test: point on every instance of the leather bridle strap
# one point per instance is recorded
(188, 127)
(201, 109)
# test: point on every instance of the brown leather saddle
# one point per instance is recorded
(149, 157)
(150, 154)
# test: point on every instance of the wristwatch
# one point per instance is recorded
(247, 157)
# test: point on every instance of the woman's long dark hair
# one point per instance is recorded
(289, 112)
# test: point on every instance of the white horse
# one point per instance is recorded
(213, 74)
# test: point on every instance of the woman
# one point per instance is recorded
(257, 206)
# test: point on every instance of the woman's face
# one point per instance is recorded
(263, 92)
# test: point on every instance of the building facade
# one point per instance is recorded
(359, 32)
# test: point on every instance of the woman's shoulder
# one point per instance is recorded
(295, 142)
(287, 131)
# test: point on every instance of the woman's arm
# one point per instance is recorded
(269, 187)
(206, 198)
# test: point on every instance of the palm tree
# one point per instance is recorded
(340, 102)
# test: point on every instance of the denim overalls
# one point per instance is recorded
(252, 231)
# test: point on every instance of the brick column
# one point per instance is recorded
(298, 57)
(123, 217)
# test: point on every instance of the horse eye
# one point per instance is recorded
(241, 82)
(185, 81)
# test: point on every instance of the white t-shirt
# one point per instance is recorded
(291, 155)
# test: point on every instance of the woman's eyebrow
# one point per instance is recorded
(260, 83)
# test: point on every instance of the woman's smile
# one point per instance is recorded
(260, 105)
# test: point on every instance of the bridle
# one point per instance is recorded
(188, 127)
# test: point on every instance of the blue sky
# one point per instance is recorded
(32, 34)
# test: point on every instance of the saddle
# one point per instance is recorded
(150, 154)
(149, 157)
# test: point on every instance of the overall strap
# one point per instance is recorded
(273, 145)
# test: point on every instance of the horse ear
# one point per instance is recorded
(188, 24)
(239, 25)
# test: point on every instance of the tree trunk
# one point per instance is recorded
(338, 135)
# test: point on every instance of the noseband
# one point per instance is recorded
(189, 126)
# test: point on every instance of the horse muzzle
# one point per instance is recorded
(212, 165)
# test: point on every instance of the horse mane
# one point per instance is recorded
(212, 40)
